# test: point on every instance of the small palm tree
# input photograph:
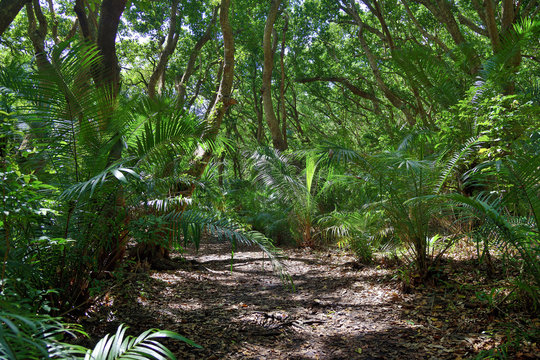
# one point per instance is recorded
(82, 141)
(512, 212)
(398, 177)
(299, 192)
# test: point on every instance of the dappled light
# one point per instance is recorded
(246, 179)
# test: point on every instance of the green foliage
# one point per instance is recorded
(27, 336)
(277, 173)
(494, 119)
(362, 231)
(397, 178)
(119, 346)
(28, 255)
(84, 171)
(24, 335)
(249, 204)
(513, 210)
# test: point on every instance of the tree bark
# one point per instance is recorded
(87, 30)
(37, 32)
(376, 9)
(492, 25)
(212, 102)
(223, 100)
(349, 7)
(109, 19)
(282, 82)
(495, 35)
(158, 75)
(8, 11)
(268, 65)
(190, 67)
(257, 105)
(442, 10)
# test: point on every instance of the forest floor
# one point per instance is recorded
(339, 309)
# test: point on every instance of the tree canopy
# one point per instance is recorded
(131, 129)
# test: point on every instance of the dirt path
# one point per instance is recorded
(337, 311)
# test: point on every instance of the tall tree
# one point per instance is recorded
(158, 75)
(8, 11)
(408, 109)
(223, 99)
(268, 65)
(182, 81)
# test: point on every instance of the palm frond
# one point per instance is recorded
(276, 173)
(525, 242)
(119, 346)
(116, 172)
(194, 222)
(331, 153)
(523, 34)
(453, 162)
(28, 336)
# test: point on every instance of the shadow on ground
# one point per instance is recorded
(335, 313)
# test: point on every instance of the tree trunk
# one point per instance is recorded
(442, 10)
(268, 65)
(492, 25)
(223, 99)
(257, 105)
(495, 35)
(215, 94)
(37, 32)
(349, 6)
(282, 82)
(106, 76)
(158, 75)
(109, 19)
(8, 11)
(508, 20)
(190, 67)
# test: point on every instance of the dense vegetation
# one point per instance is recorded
(132, 129)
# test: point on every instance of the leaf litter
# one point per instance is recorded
(340, 310)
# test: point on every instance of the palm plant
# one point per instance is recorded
(351, 229)
(81, 132)
(512, 212)
(397, 177)
(119, 346)
(276, 172)
(28, 336)
(24, 335)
